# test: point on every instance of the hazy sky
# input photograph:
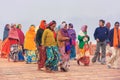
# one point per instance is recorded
(78, 12)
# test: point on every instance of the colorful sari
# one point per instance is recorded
(72, 35)
(52, 58)
(30, 56)
(30, 46)
(11, 40)
(83, 46)
(64, 48)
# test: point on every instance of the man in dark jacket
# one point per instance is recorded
(114, 38)
(100, 35)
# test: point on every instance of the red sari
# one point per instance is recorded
(6, 47)
(12, 39)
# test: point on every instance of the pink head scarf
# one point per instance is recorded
(84, 28)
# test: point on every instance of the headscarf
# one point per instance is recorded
(42, 25)
(50, 24)
(63, 25)
(70, 25)
(84, 28)
(6, 32)
(64, 32)
(21, 35)
(31, 29)
(13, 34)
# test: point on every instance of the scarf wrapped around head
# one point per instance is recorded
(42, 25)
(29, 42)
(31, 29)
(84, 28)
(63, 25)
(116, 38)
(50, 24)
(6, 31)
(70, 25)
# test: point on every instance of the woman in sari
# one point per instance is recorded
(49, 42)
(30, 45)
(72, 35)
(12, 40)
(21, 37)
(83, 39)
(64, 47)
(6, 31)
(42, 52)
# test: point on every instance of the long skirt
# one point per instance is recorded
(14, 52)
(21, 53)
(42, 57)
(81, 53)
(52, 58)
(30, 56)
(5, 48)
(83, 58)
(73, 52)
(64, 65)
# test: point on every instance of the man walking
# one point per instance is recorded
(100, 35)
(115, 46)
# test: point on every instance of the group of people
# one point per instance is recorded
(106, 37)
(52, 47)
(13, 41)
